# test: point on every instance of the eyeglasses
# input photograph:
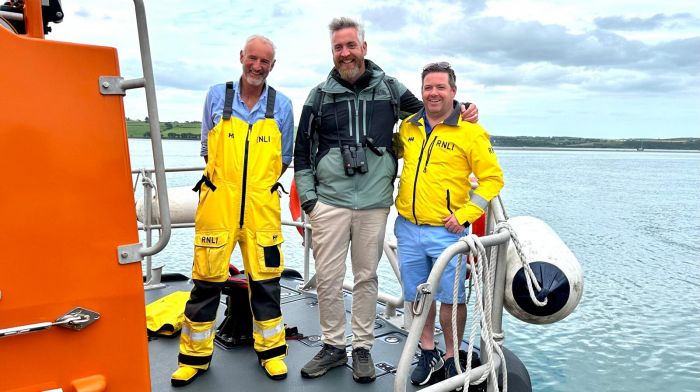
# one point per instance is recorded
(438, 65)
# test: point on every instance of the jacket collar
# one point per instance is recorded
(452, 119)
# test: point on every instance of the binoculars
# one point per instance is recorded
(354, 159)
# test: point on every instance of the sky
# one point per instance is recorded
(601, 69)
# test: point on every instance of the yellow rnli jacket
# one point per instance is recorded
(435, 177)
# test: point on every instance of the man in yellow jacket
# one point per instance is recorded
(440, 151)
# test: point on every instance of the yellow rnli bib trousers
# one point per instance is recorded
(238, 203)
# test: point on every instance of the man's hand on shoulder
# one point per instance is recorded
(469, 112)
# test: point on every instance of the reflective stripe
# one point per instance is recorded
(193, 360)
(268, 333)
(480, 201)
(273, 352)
(364, 119)
(197, 336)
(350, 127)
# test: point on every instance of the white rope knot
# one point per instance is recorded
(530, 277)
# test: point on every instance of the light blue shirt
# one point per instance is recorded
(283, 113)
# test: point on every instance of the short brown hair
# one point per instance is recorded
(442, 66)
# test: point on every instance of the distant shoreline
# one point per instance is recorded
(531, 148)
(191, 130)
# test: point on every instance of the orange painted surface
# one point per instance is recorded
(66, 204)
(295, 205)
(34, 22)
(96, 383)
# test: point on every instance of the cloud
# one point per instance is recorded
(498, 40)
(517, 59)
(682, 54)
(83, 13)
(286, 10)
(392, 17)
(189, 75)
(378, 20)
(299, 77)
(642, 24)
(533, 53)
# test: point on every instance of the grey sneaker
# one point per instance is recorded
(326, 359)
(430, 361)
(362, 366)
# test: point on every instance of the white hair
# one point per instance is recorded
(262, 38)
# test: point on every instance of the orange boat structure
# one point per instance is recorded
(70, 225)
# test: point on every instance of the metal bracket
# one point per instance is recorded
(127, 254)
(422, 292)
(77, 319)
(111, 85)
(117, 85)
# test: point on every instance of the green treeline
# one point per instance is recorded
(190, 130)
(578, 142)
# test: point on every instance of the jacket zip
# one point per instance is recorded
(430, 151)
(357, 118)
(415, 181)
(448, 203)
(245, 173)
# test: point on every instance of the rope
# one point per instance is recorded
(482, 310)
(530, 277)
(149, 182)
(483, 286)
(481, 314)
(455, 293)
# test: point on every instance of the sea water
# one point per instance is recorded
(633, 221)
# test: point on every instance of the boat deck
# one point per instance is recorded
(237, 369)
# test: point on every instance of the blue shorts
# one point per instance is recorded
(418, 249)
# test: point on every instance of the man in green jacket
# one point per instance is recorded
(344, 171)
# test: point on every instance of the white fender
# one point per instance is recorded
(555, 266)
(183, 206)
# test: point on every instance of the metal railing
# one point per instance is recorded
(309, 284)
(117, 85)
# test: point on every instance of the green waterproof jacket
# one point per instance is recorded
(350, 115)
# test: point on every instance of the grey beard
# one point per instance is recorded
(254, 81)
(349, 74)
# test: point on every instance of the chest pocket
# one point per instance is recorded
(264, 152)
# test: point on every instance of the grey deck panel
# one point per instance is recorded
(238, 370)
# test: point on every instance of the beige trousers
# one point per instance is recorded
(334, 229)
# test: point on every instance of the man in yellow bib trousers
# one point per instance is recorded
(247, 133)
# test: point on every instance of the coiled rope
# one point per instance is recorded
(483, 288)
(482, 282)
